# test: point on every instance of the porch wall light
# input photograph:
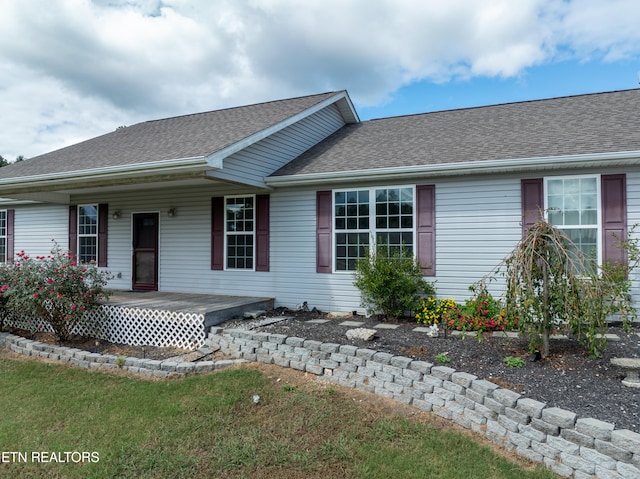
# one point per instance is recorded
(116, 215)
(172, 212)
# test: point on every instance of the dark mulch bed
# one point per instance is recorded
(568, 379)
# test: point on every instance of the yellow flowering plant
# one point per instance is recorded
(434, 311)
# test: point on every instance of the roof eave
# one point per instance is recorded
(106, 176)
(523, 165)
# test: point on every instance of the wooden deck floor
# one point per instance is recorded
(215, 308)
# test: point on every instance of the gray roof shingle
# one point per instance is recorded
(187, 136)
(584, 124)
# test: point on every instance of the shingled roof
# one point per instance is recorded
(575, 125)
(181, 137)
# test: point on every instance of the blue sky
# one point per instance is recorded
(75, 69)
(548, 81)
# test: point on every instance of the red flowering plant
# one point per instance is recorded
(481, 313)
(57, 289)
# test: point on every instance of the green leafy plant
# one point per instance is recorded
(513, 362)
(120, 361)
(443, 358)
(391, 284)
(55, 288)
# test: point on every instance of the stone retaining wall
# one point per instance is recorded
(89, 360)
(570, 446)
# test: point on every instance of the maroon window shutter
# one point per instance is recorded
(103, 223)
(73, 230)
(614, 217)
(532, 194)
(10, 246)
(262, 233)
(323, 232)
(426, 228)
(217, 233)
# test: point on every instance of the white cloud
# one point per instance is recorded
(72, 69)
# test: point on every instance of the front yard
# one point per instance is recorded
(63, 422)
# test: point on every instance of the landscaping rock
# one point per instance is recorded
(361, 333)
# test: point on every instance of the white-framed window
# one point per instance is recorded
(370, 218)
(87, 233)
(573, 205)
(240, 232)
(3, 236)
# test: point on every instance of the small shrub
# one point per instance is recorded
(513, 362)
(443, 358)
(120, 361)
(391, 284)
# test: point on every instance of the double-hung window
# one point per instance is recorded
(87, 233)
(372, 218)
(572, 205)
(3, 236)
(240, 231)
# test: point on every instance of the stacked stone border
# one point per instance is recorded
(570, 446)
(88, 360)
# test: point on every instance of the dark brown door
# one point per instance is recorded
(145, 251)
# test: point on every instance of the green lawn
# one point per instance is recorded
(208, 426)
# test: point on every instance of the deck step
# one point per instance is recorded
(213, 318)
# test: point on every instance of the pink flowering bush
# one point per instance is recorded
(6, 279)
(55, 288)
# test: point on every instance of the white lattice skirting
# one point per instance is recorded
(136, 326)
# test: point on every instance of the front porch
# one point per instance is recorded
(215, 308)
(170, 319)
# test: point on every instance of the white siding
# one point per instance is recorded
(633, 218)
(254, 163)
(37, 225)
(478, 224)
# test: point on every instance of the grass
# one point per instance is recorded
(209, 426)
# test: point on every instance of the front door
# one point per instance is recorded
(145, 251)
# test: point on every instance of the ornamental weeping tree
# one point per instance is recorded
(551, 285)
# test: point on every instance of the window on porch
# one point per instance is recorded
(240, 231)
(87, 233)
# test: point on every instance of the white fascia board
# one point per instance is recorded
(218, 156)
(42, 197)
(594, 160)
(183, 165)
(258, 183)
(6, 202)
